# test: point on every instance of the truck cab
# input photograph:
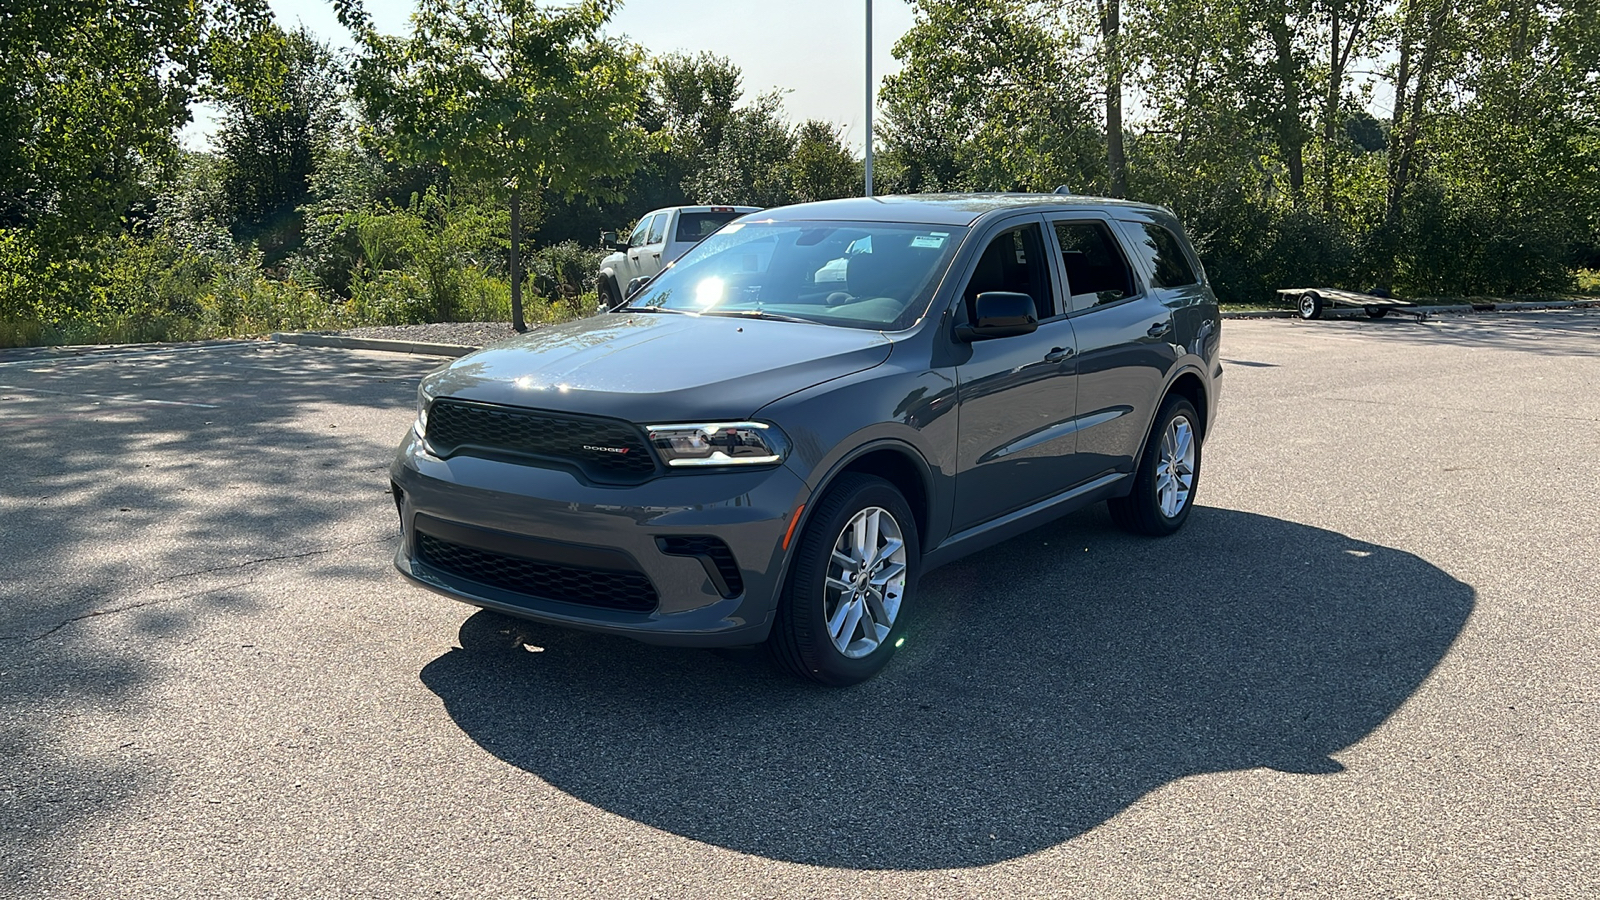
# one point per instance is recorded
(661, 236)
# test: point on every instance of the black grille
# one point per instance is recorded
(604, 449)
(711, 552)
(552, 581)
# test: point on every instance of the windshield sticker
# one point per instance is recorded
(931, 241)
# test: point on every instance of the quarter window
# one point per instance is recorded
(1097, 272)
(1168, 263)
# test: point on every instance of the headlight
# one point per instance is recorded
(718, 444)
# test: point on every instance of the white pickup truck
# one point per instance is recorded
(661, 236)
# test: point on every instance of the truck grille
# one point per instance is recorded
(605, 450)
(609, 589)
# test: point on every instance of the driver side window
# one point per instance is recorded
(1013, 262)
(637, 239)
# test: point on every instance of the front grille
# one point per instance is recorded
(603, 449)
(605, 588)
(713, 554)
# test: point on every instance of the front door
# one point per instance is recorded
(1016, 397)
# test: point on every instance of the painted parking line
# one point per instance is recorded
(113, 399)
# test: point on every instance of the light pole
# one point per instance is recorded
(869, 98)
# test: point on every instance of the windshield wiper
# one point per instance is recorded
(757, 314)
(664, 309)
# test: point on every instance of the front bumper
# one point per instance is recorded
(554, 516)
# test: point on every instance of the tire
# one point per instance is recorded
(1310, 305)
(607, 289)
(1377, 312)
(821, 599)
(1158, 506)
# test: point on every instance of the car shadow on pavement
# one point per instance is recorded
(1047, 684)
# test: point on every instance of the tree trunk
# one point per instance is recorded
(1330, 110)
(1291, 139)
(1111, 33)
(516, 262)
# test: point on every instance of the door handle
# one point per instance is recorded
(1158, 329)
(1057, 354)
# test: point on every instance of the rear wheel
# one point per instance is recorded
(843, 606)
(1310, 305)
(1168, 473)
(1377, 312)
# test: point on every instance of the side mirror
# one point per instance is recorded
(610, 241)
(999, 314)
(633, 287)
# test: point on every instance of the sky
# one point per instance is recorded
(813, 50)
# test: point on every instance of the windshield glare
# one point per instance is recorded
(858, 275)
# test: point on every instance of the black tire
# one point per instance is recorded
(609, 298)
(1141, 512)
(1310, 305)
(1377, 312)
(800, 640)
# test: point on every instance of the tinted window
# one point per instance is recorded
(860, 275)
(1097, 273)
(658, 228)
(1012, 263)
(697, 226)
(1165, 255)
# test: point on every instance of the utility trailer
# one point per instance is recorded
(1311, 301)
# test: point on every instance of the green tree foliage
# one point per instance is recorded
(822, 167)
(516, 94)
(989, 98)
(273, 137)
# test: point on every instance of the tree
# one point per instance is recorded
(273, 137)
(822, 167)
(989, 98)
(749, 166)
(91, 93)
(529, 98)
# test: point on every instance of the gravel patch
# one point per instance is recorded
(462, 334)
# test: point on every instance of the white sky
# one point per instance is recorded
(814, 50)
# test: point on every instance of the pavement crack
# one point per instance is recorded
(127, 607)
(267, 559)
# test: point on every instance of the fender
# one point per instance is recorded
(904, 448)
(1186, 367)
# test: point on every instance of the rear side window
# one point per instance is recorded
(697, 226)
(1097, 272)
(1164, 252)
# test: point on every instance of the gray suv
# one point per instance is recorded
(779, 434)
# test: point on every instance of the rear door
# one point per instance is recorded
(645, 259)
(1017, 399)
(1125, 342)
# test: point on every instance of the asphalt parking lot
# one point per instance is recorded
(1370, 665)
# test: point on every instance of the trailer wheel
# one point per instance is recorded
(1310, 305)
(1377, 312)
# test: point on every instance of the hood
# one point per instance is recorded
(659, 367)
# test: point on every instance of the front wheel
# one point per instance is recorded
(1168, 473)
(1377, 312)
(855, 570)
(1310, 305)
(609, 299)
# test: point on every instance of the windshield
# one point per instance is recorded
(858, 275)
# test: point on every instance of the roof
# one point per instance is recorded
(939, 209)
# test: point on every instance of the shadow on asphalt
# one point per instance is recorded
(1047, 684)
